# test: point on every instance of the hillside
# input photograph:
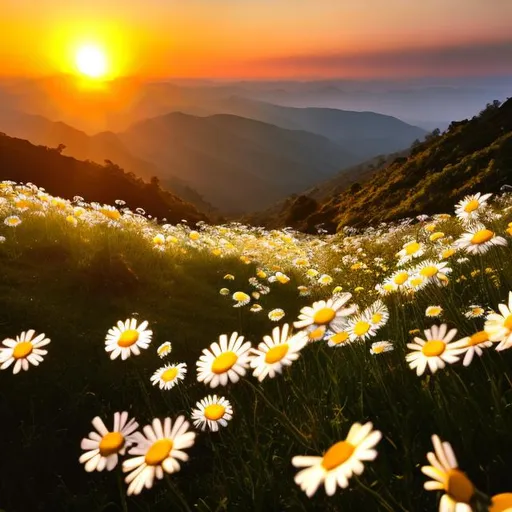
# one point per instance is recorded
(97, 148)
(237, 164)
(67, 177)
(472, 155)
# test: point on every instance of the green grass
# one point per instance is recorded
(74, 283)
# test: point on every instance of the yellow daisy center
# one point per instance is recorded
(459, 487)
(324, 316)
(214, 412)
(224, 362)
(339, 337)
(361, 328)
(240, 296)
(417, 281)
(337, 454)
(477, 338)
(128, 338)
(429, 271)
(448, 253)
(508, 323)
(111, 214)
(276, 353)
(163, 350)
(317, 334)
(111, 443)
(158, 452)
(379, 349)
(388, 287)
(376, 318)
(482, 236)
(433, 348)
(401, 278)
(169, 374)
(412, 248)
(501, 503)
(23, 203)
(22, 350)
(471, 206)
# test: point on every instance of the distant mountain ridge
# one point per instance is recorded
(473, 155)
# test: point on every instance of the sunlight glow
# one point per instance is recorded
(91, 61)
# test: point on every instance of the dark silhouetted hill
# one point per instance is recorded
(67, 177)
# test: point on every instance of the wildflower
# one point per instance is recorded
(282, 278)
(323, 313)
(303, 291)
(12, 221)
(194, 235)
(277, 351)
(110, 212)
(379, 347)
(241, 299)
(501, 502)
(433, 271)
(325, 280)
(104, 447)
(448, 478)
(436, 236)
(211, 412)
(126, 339)
(339, 462)
(378, 314)
(474, 311)
(339, 338)
(224, 291)
(479, 240)
(229, 277)
(157, 452)
(276, 314)
(469, 209)
(169, 375)
(410, 250)
(224, 361)
(164, 349)
(499, 327)
(475, 344)
(300, 262)
(434, 311)
(437, 350)
(23, 351)
(255, 308)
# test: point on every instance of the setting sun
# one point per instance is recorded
(91, 61)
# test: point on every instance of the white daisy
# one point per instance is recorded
(360, 327)
(479, 240)
(277, 351)
(158, 451)
(12, 221)
(448, 478)
(475, 344)
(340, 338)
(164, 349)
(434, 311)
(436, 351)
(126, 339)
(211, 412)
(499, 327)
(276, 314)
(379, 347)
(433, 271)
(324, 313)
(339, 462)
(23, 351)
(469, 209)
(377, 314)
(103, 447)
(409, 251)
(241, 299)
(475, 311)
(169, 375)
(224, 361)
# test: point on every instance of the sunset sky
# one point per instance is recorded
(260, 38)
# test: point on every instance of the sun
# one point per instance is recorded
(91, 61)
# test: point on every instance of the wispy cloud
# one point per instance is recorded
(491, 57)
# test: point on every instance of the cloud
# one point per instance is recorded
(491, 57)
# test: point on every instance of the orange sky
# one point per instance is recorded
(260, 38)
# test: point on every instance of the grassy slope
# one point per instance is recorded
(73, 284)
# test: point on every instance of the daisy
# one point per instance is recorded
(434, 311)
(448, 478)
(169, 375)
(475, 344)
(158, 451)
(339, 462)
(339, 338)
(325, 279)
(276, 351)
(282, 278)
(126, 339)
(12, 221)
(479, 240)
(110, 212)
(499, 327)
(433, 271)
(229, 277)
(378, 314)
(104, 447)
(23, 351)
(409, 251)
(255, 308)
(398, 280)
(164, 349)
(241, 299)
(470, 208)
(501, 503)
(276, 314)
(436, 351)
(474, 311)
(324, 313)
(379, 347)
(224, 291)
(211, 412)
(303, 291)
(224, 361)
(360, 327)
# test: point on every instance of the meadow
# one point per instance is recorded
(73, 270)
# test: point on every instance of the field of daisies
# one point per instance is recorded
(149, 367)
